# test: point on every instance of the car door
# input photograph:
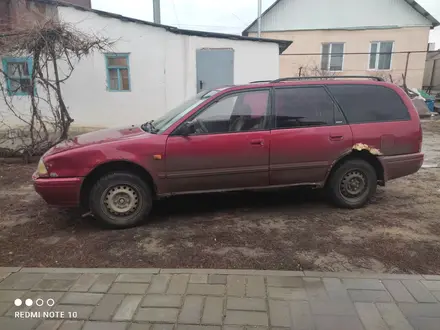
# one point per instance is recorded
(309, 135)
(228, 149)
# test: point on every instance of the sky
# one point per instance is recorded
(225, 16)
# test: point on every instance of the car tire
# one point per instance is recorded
(352, 184)
(120, 200)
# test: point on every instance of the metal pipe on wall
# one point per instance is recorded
(156, 11)
(259, 17)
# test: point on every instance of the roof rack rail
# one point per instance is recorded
(327, 77)
(260, 81)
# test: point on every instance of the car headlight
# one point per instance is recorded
(41, 168)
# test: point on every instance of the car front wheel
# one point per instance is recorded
(352, 184)
(120, 200)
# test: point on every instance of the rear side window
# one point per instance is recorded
(369, 103)
(303, 107)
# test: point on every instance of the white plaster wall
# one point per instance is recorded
(86, 91)
(162, 71)
(252, 60)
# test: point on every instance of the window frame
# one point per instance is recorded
(8, 60)
(337, 112)
(119, 68)
(329, 54)
(269, 111)
(376, 64)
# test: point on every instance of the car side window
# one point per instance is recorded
(241, 112)
(369, 103)
(303, 107)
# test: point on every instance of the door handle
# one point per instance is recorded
(259, 142)
(200, 84)
(336, 137)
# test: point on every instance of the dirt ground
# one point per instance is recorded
(286, 230)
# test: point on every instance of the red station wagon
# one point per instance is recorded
(344, 135)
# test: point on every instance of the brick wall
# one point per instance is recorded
(4, 13)
(22, 13)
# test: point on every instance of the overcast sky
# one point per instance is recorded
(227, 16)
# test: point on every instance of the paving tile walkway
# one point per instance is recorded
(177, 299)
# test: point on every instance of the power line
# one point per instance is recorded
(238, 18)
(233, 14)
(175, 12)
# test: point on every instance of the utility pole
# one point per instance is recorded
(156, 11)
(259, 18)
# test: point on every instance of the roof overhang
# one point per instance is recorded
(423, 12)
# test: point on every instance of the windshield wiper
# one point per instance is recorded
(149, 127)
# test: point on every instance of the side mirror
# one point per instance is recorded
(186, 129)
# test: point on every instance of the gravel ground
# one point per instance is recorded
(292, 229)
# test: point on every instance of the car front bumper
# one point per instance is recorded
(59, 191)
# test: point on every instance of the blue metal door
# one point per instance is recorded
(215, 67)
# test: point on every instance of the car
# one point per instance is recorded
(344, 135)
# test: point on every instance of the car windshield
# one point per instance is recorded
(163, 123)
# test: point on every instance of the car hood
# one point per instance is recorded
(97, 137)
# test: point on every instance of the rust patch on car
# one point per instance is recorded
(371, 150)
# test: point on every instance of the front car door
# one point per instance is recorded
(228, 149)
(310, 134)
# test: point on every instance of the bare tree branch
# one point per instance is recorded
(53, 46)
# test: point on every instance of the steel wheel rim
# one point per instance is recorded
(121, 200)
(354, 185)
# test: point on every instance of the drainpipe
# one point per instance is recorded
(259, 18)
(156, 11)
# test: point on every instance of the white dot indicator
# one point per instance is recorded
(28, 302)
(18, 302)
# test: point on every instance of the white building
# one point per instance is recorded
(156, 67)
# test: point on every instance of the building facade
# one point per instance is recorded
(345, 37)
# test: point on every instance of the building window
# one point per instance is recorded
(380, 55)
(332, 56)
(18, 71)
(118, 72)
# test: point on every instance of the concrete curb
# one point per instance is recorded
(247, 272)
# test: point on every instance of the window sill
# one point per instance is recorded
(118, 91)
(18, 94)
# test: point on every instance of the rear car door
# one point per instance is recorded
(308, 136)
(229, 149)
(378, 117)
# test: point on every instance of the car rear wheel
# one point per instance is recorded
(120, 200)
(352, 184)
